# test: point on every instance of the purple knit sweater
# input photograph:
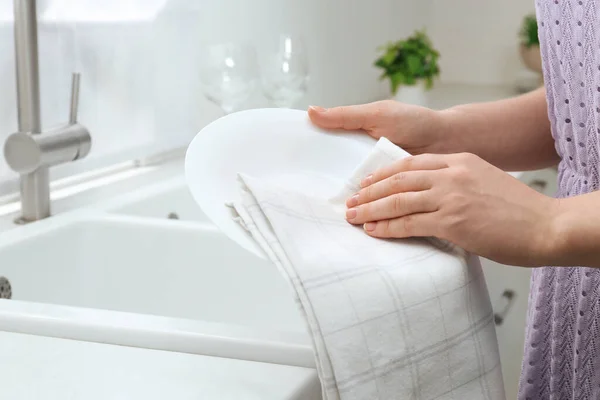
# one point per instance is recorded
(562, 346)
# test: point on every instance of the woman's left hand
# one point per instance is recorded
(462, 199)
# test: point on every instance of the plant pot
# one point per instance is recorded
(415, 94)
(531, 58)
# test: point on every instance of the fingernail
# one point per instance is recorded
(370, 226)
(366, 181)
(351, 213)
(317, 108)
(352, 201)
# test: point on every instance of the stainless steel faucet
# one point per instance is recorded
(31, 152)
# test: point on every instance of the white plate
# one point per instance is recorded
(275, 144)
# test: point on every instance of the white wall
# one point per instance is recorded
(140, 89)
(139, 58)
(478, 39)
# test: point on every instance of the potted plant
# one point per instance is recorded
(411, 66)
(530, 44)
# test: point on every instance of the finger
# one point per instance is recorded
(411, 181)
(411, 163)
(347, 117)
(393, 206)
(413, 225)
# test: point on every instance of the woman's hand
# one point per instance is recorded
(416, 129)
(513, 134)
(462, 199)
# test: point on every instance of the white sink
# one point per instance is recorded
(166, 199)
(146, 282)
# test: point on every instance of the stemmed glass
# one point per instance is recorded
(229, 74)
(285, 72)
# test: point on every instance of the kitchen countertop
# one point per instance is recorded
(37, 367)
(97, 189)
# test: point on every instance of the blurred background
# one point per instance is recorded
(141, 61)
(155, 72)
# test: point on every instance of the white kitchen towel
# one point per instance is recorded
(389, 319)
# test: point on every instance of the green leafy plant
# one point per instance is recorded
(529, 32)
(407, 61)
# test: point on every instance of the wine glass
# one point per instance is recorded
(229, 74)
(285, 72)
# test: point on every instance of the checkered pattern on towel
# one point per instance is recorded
(389, 319)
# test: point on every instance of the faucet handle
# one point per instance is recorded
(74, 98)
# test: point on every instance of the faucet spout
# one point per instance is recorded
(35, 186)
(27, 66)
(29, 151)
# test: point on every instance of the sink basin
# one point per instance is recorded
(142, 267)
(170, 199)
(149, 283)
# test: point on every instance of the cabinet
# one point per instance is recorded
(509, 291)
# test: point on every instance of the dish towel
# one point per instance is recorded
(389, 319)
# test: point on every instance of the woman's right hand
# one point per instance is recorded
(415, 129)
